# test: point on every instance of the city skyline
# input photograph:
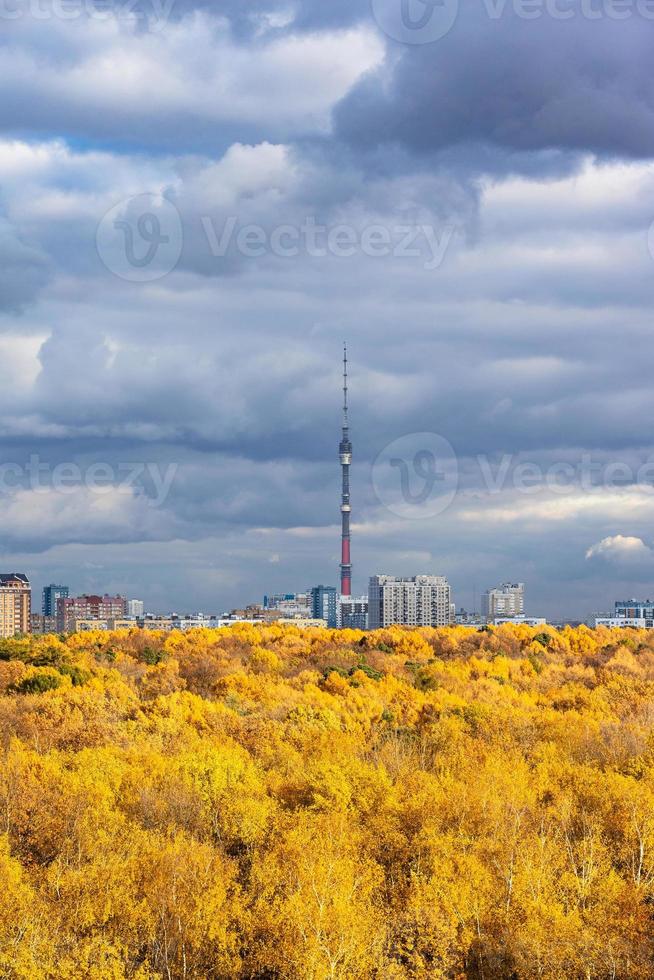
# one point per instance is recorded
(420, 600)
(486, 610)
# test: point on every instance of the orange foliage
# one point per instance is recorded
(261, 802)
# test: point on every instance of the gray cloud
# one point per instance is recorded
(23, 269)
(522, 85)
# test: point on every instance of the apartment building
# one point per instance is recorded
(51, 594)
(89, 607)
(353, 612)
(15, 604)
(323, 604)
(424, 600)
(505, 602)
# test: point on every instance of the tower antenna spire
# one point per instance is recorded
(345, 388)
(345, 455)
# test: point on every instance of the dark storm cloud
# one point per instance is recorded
(519, 84)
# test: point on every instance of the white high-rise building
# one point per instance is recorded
(424, 600)
(507, 602)
(135, 608)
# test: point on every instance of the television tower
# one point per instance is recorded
(345, 453)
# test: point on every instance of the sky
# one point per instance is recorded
(200, 202)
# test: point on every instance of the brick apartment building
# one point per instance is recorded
(15, 604)
(88, 607)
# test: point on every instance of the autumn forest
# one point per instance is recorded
(266, 802)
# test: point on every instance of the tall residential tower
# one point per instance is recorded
(345, 452)
(15, 604)
(50, 595)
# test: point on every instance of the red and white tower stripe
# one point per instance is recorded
(345, 453)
